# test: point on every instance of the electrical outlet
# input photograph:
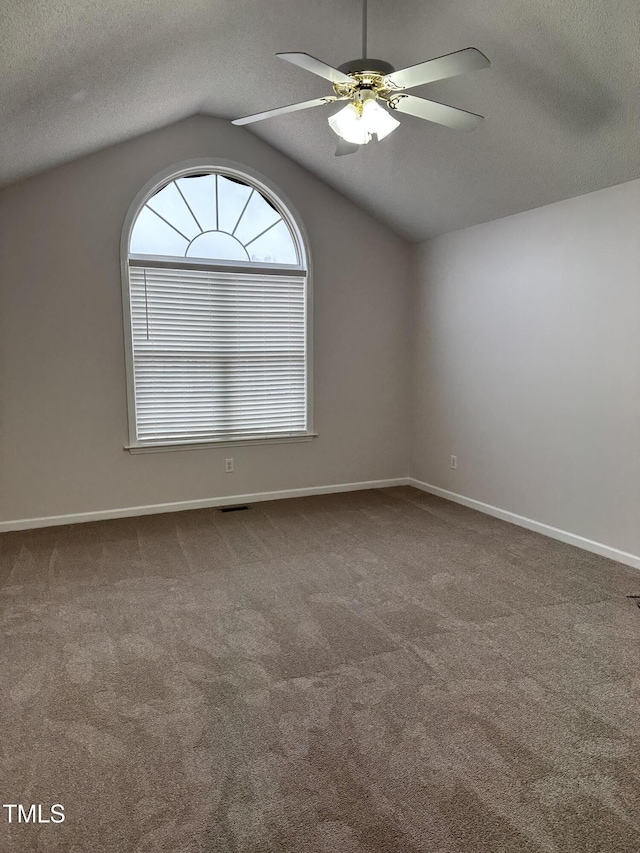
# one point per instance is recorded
(454, 462)
(228, 466)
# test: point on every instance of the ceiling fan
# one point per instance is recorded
(374, 90)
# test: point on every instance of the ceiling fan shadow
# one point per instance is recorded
(563, 85)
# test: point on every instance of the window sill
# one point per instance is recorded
(204, 445)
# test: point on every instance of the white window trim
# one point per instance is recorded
(290, 216)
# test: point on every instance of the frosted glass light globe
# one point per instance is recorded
(348, 124)
(357, 124)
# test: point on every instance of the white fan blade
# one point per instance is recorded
(316, 66)
(450, 65)
(292, 108)
(437, 113)
(343, 147)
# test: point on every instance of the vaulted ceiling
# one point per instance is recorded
(561, 99)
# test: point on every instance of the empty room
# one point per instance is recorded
(319, 426)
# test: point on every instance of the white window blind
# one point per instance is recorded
(217, 355)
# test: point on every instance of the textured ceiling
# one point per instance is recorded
(561, 100)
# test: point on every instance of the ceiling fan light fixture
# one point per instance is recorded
(348, 124)
(362, 82)
(378, 120)
(359, 121)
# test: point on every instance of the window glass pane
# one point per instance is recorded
(152, 236)
(232, 198)
(200, 193)
(170, 205)
(216, 244)
(274, 247)
(250, 226)
(258, 216)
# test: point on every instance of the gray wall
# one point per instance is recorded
(527, 365)
(63, 400)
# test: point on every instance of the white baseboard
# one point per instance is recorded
(230, 500)
(628, 559)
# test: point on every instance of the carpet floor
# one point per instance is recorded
(371, 672)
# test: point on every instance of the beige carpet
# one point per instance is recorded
(377, 671)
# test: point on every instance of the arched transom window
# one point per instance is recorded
(213, 216)
(216, 296)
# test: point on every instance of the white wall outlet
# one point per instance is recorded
(228, 466)
(454, 462)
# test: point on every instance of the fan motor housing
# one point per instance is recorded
(358, 66)
(366, 74)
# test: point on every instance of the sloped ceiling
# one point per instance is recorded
(561, 100)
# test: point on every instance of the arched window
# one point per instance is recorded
(216, 297)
